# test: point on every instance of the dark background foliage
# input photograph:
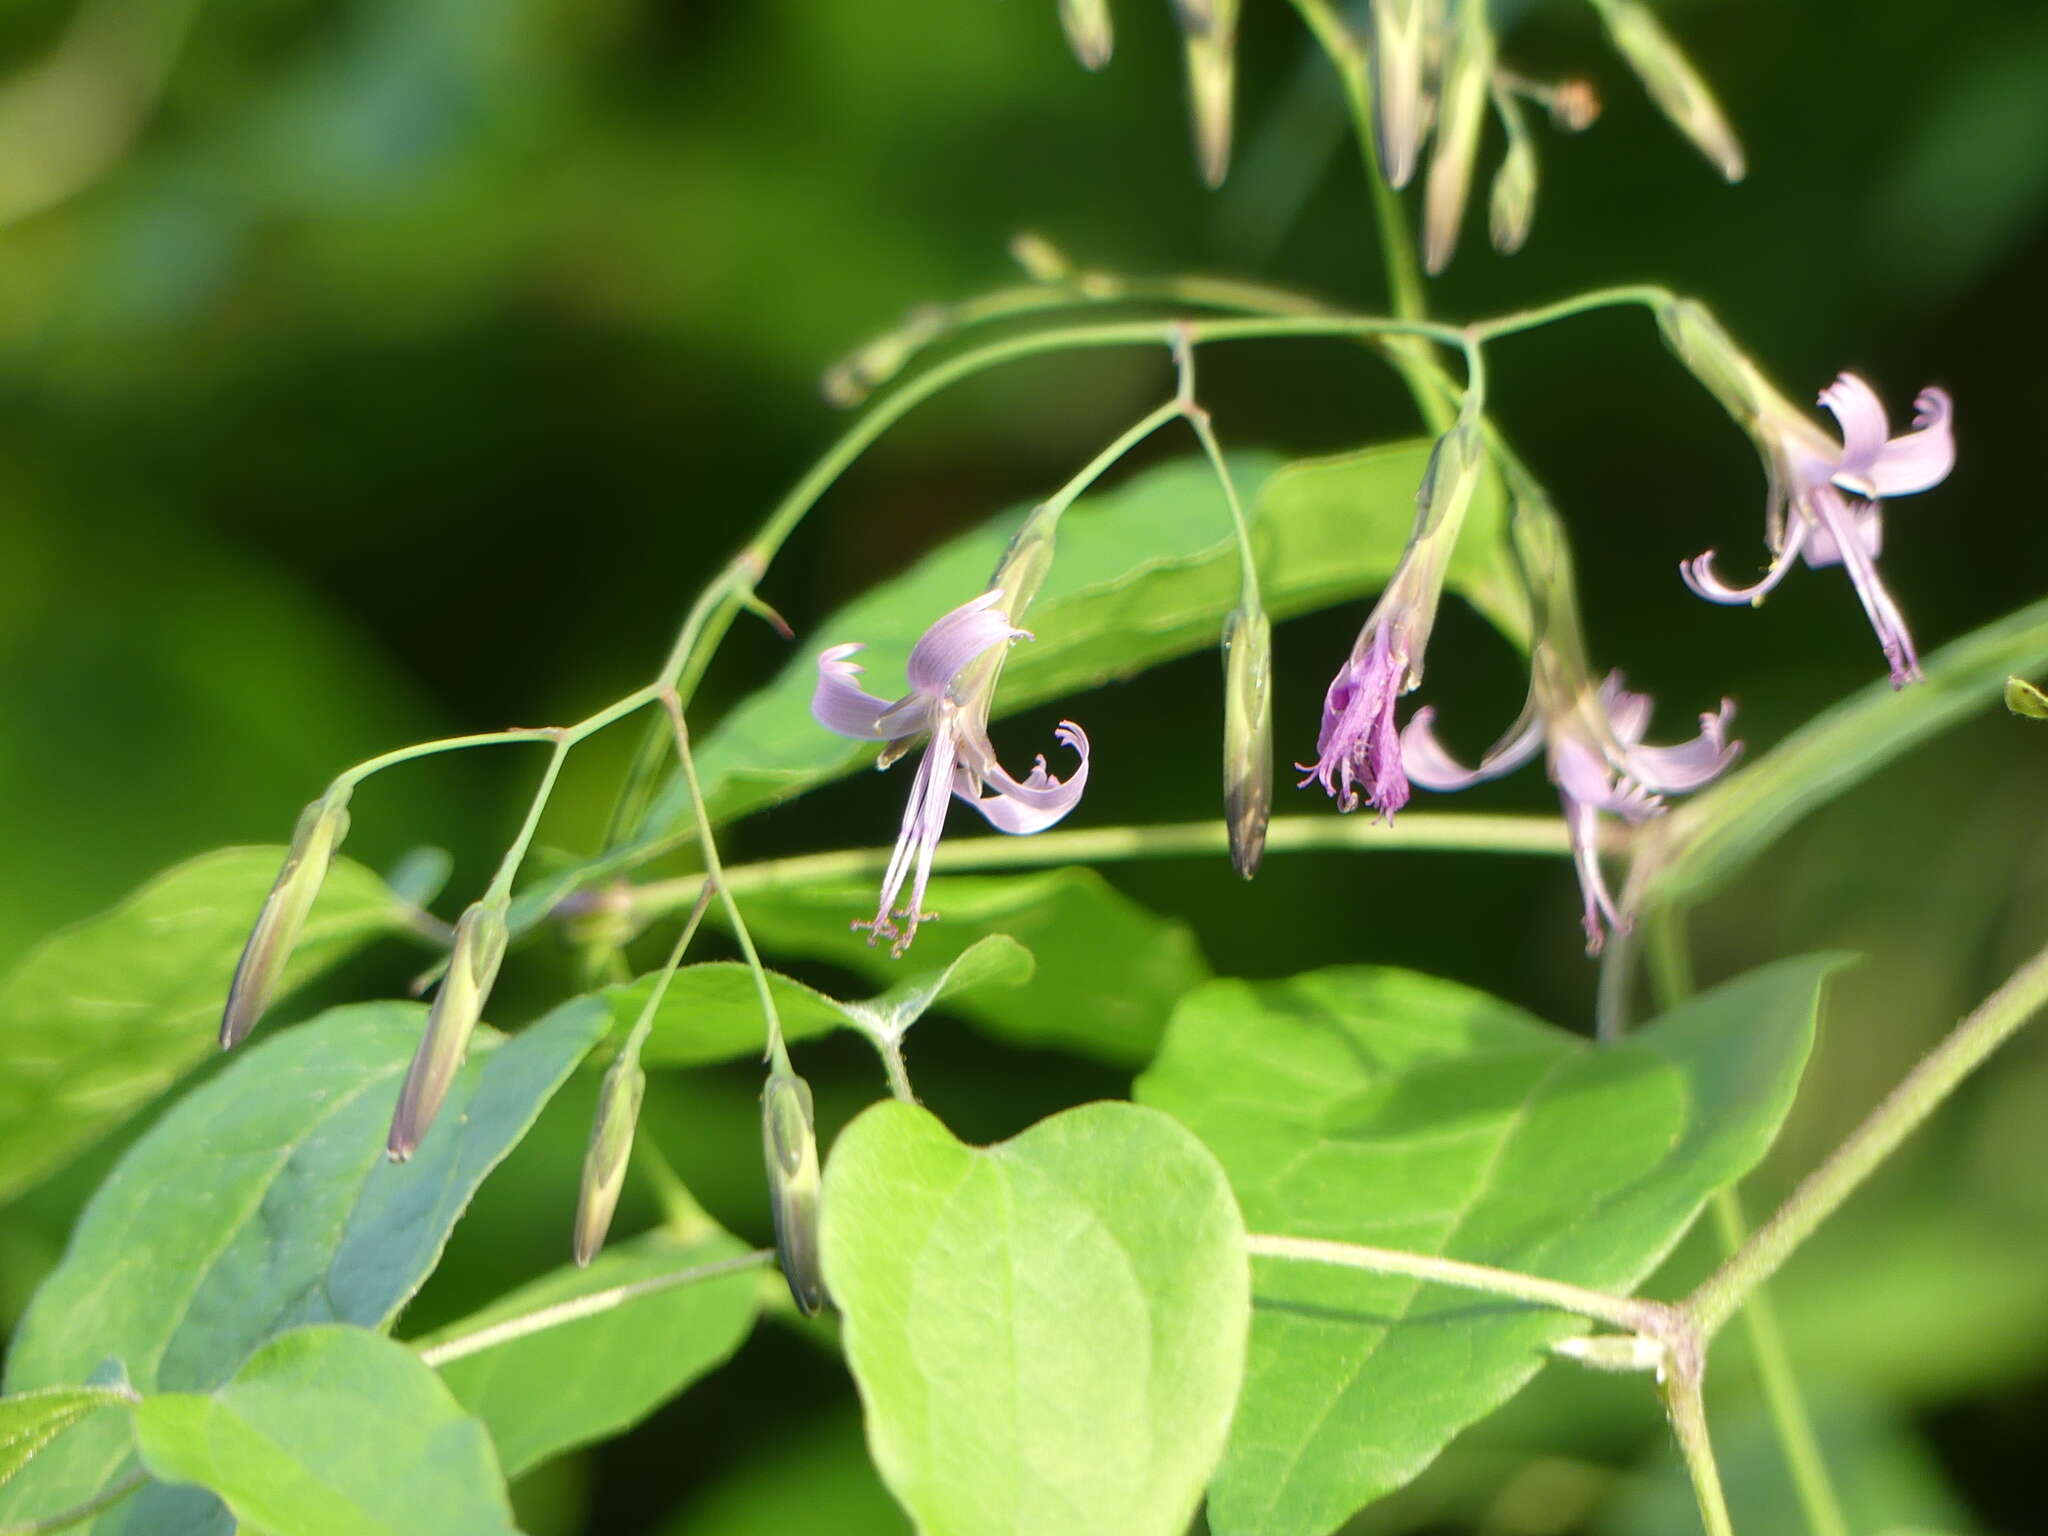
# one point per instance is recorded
(411, 362)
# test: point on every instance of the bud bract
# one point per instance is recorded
(480, 937)
(611, 1147)
(1247, 735)
(1088, 30)
(1212, 83)
(1468, 73)
(789, 1147)
(1672, 82)
(322, 826)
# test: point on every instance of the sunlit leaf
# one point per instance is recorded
(31, 1420)
(101, 1018)
(1400, 1111)
(594, 1377)
(261, 1202)
(1047, 1334)
(331, 1431)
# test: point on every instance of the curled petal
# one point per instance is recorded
(1698, 572)
(1429, 765)
(1922, 458)
(1040, 800)
(1671, 770)
(955, 640)
(840, 704)
(1628, 713)
(1861, 414)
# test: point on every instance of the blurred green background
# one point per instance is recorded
(379, 369)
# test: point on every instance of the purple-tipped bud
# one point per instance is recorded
(480, 937)
(1247, 735)
(1212, 87)
(1088, 30)
(322, 826)
(1674, 85)
(1467, 75)
(610, 1149)
(789, 1147)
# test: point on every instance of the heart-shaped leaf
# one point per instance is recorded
(1047, 1334)
(1400, 1111)
(331, 1431)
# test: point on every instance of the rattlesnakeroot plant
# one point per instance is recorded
(1344, 1215)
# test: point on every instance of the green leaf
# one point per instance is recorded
(99, 1019)
(582, 1381)
(1386, 1108)
(261, 1202)
(331, 1431)
(1702, 844)
(31, 1420)
(1078, 927)
(712, 1012)
(1047, 1334)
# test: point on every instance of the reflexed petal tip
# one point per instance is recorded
(1040, 800)
(1674, 770)
(839, 703)
(944, 650)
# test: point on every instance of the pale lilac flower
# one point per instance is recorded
(948, 702)
(1598, 762)
(1826, 499)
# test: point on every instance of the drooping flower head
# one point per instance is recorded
(951, 680)
(1359, 743)
(1826, 498)
(1592, 736)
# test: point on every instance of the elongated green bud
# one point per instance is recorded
(1042, 261)
(1088, 30)
(789, 1147)
(1247, 735)
(610, 1149)
(852, 379)
(1674, 85)
(1697, 339)
(1461, 113)
(1212, 85)
(1513, 205)
(480, 937)
(322, 826)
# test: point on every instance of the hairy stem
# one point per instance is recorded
(1620, 1311)
(578, 1307)
(1916, 1097)
(1688, 1415)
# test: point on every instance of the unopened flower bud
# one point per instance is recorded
(611, 1147)
(1247, 735)
(789, 1147)
(1513, 205)
(1712, 357)
(1400, 39)
(480, 937)
(322, 826)
(1467, 74)
(1450, 478)
(1673, 83)
(1025, 560)
(1088, 30)
(852, 379)
(1212, 83)
(1615, 1352)
(1042, 261)
(1574, 105)
(2023, 698)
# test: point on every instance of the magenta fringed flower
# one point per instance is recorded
(1826, 500)
(1359, 743)
(1598, 762)
(948, 703)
